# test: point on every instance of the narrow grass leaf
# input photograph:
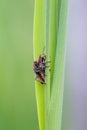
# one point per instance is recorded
(55, 108)
(39, 43)
(53, 29)
(47, 45)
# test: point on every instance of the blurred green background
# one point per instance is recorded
(17, 91)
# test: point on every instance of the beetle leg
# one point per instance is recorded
(40, 81)
(47, 66)
(48, 61)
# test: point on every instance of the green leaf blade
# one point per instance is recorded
(55, 108)
(50, 32)
(39, 34)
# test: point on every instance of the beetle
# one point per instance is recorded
(39, 68)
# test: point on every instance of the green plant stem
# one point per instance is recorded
(47, 87)
(55, 108)
(53, 29)
(39, 32)
(50, 32)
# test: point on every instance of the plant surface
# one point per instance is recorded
(50, 33)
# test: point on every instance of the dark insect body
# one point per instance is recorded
(39, 67)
